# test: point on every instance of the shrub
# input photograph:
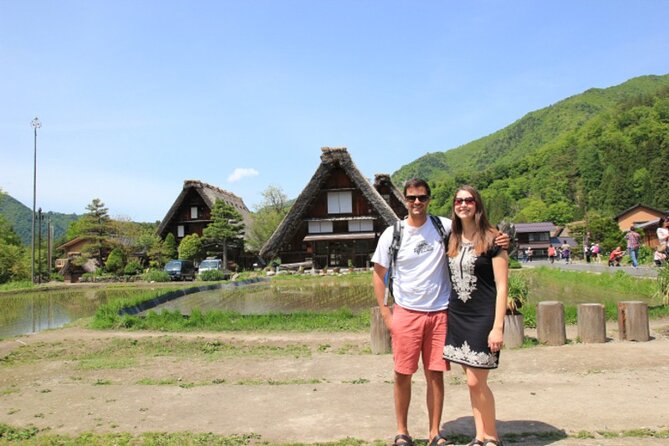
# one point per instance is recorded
(517, 294)
(156, 275)
(115, 261)
(514, 263)
(132, 268)
(213, 274)
(663, 284)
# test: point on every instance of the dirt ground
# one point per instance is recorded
(338, 390)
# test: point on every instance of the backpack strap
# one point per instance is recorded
(436, 221)
(392, 253)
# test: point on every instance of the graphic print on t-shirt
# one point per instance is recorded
(422, 247)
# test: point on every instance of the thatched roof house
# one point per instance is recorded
(391, 194)
(191, 211)
(338, 217)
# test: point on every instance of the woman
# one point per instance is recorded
(663, 234)
(479, 274)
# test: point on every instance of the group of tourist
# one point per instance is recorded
(562, 252)
(449, 285)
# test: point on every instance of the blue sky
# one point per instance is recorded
(137, 96)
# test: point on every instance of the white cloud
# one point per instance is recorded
(242, 172)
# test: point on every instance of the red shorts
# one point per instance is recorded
(415, 333)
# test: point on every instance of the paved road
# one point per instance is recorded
(641, 271)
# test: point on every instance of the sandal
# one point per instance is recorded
(403, 440)
(439, 437)
(475, 442)
(491, 441)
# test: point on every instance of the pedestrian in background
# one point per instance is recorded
(633, 242)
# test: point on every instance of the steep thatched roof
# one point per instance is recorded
(331, 158)
(209, 194)
(383, 179)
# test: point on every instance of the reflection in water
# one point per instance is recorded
(267, 298)
(33, 312)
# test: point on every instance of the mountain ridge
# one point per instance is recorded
(19, 216)
(577, 140)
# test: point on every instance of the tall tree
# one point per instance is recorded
(267, 218)
(12, 254)
(225, 230)
(170, 246)
(97, 227)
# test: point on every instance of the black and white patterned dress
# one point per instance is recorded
(471, 308)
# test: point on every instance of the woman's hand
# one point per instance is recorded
(496, 339)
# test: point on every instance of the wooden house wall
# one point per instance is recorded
(339, 252)
(183, 216)
(640, 215)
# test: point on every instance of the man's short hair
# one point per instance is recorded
(417, 182)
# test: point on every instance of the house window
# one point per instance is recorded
(318, 227)
(360, 226)
(340, 202)
(538, 237)
(193, 212)
(180, 231)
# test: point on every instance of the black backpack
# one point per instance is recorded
(398, 230)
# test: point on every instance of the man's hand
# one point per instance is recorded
(503, 240)
(387, 316)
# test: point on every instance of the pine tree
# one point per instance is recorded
(96, 226)
(226, 228)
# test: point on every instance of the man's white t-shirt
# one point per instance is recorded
(421, 281)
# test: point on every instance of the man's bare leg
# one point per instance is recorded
(435, 400)
(402, 400)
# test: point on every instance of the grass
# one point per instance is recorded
(572, 288)
(18, 285)
(125, 353)
(31, 436)
(216, 320)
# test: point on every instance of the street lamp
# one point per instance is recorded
(36, 124)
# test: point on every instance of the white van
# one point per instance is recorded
(210, 265)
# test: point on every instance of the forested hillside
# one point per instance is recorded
(599, 152)
(19, 217)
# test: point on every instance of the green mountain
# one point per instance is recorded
(19, 217)
(601, 151)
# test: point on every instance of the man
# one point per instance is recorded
(421, 289)
(633, 242)
(616, 256)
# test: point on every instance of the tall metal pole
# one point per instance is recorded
(36, 124)
(49, 248)
(39, 245)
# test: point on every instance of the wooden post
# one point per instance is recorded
(633, 321)
(514, 330)
(591, 323)
(380, 336)
(550, 323)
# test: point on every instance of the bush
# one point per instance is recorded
(213, 274)
(517, 294)
(663, 284)
(115, 261)
(514, 263)
(132, 268)
(156, 275)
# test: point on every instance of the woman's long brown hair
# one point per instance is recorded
(485, 233)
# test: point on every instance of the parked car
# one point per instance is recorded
(210, 265)
(213, 265)
(180, 269)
